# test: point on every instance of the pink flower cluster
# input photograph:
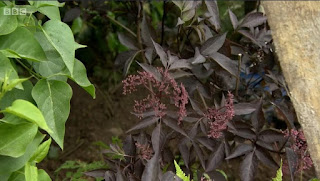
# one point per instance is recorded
(166, 88)
(299, 146)
(145, 151)
(220, 117)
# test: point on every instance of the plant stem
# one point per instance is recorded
(139, 17)
(238, 76)
(36, 75)
(202, 99)
(163, 20)
(121, 25)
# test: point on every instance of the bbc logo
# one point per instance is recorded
(14, 11)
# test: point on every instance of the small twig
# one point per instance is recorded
(121, 25)
(238, 76)
(163, 20)
(140, 14)
(202, 99)
(34, 74)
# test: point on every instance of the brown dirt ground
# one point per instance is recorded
(92, 120)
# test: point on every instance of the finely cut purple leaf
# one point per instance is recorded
(170, 176)
(199, 154)
(152, 70)
(144, 123)
(95, 173)
(248, 167)
(198, 58)
(151, 170)
(146, 31)
(173, 125)
(292, 161)
(266, 158)
(185, 153)
(240, 150)
(129, 147)
(247, 34)
(128, 41)
(244, 108)
(124, 59)
(216, 158)
(244, 133)
(257, 118)
(179, 64)
(158, 138)
(226, 63)
(213, 44)
(119, 176)
(253, 20)
(109, 176)
(271, 136)
(214, 13)
(162, 54)
(234, 19)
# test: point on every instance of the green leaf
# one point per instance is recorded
(17, 176)
(51, 12)
(21, 43)
(77, 25)
(15, 94)
(61, 38)
(43, 176)
(46, 3)
(6, 69)
(180, 173)
(55, 63)
(53, 99)
(80, 77)
(10, 164)
(28, 111)
(41, 152)
(15, 138)
(30, 172)
(8, 23)
(14, 83)
(279, 174)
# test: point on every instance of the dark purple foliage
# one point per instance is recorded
(214, 98)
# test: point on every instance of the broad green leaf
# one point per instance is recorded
(30, 172)
(6, 69)
(77, 25)
(15, 138)
(8, 23)
(61, 38)
(15, 94)
(55, 63)
(21, 43)
(17, 176)
(78, 46)
(43, 176)
(53, 99)
(51, 12)
(14, 83)
(279, 174)
(80, 77)
(10, 164)
(41, 152)
(28, 111)
(46, 3)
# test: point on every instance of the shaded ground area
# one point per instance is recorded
(91, 120)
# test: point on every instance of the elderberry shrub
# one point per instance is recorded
(212, 97)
